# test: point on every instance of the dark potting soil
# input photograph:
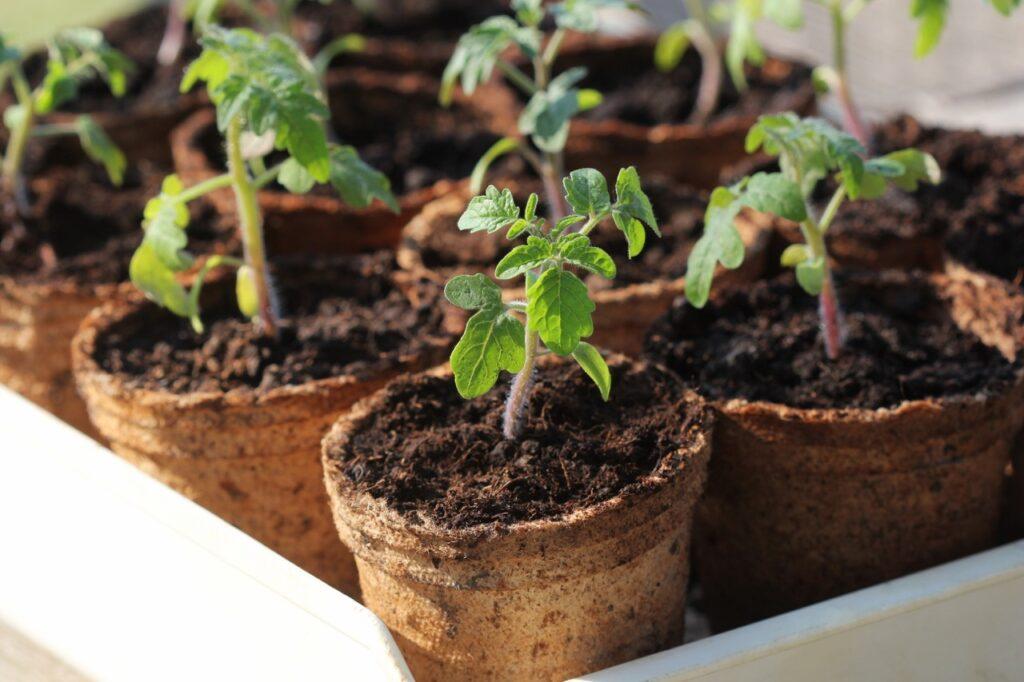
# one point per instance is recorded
(679, 210)
(765, 344)
(80, 227)
(420, 20)
(989, 234)
(342, 316)
(973, 164)
(636, 92)
(431, 454)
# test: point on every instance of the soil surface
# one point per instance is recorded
(430, 454)
(765, 344)
(81, 228)
(680, 214)
(636, 92)
(989, 235)
(970, 162)
(420, 20)
(342, 316)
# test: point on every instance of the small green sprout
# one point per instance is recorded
(700, 29)
(267, 98)
(932, 15)
(557, 312)
(809, 151)
(204, 13)
(74, 57)
(553, 99)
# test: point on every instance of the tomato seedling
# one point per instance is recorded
(809, 151)
(267, 98)
(74, 56)
(557, 312)
(700, 30)
(553, 99)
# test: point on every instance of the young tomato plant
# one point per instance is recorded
(700, 30)
(267, 98)
(554, 99)
(556, 315)
(74, 56)
(809, 151)
(279, 19)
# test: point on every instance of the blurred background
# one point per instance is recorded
(974, 78)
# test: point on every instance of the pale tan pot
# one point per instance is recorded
(540, 600)
(250, 457)
(37, 323)
(806, 504)
(623, 314)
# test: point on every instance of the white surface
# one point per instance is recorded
(123, 579)
(959, 622)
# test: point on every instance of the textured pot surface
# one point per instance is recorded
(250, 457)
(806, 504)
(538, 600)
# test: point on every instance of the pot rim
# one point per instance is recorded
(102, 318)
(742, 407)
(426, 530)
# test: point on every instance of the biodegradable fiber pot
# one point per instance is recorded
(644, 287)
(395, 123)
(810, 500)
(233, 421)
(564, 553)
(643, 119)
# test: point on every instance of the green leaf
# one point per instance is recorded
(295, 178)
(587, 192)
(786, 13)
(529, 256)
(581, 15)
(720, 243)
(590, 359)
(547, 115)
(672, 45)
(559, 309)
(491, 211)
(567, 221)
(776, 194)
(493, 341)
(811, 275)
(165, 218)
(631, 200)
(101, 148)
(358, 183)
(633, 229)
(479, 49)
(500, 148)
(1005, 7)
(518, 227)
(14, 115)
(529, 12)
(794, 255)
(158, 282)
(86, 55)
(588, 98)
(576, 250)
(931, 15)
(57, 88)
(246, 292)
(743, 45)
(915, 167)
(306, 141)
(472, 292)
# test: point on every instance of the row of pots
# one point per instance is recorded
(801, 504)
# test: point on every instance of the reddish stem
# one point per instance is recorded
(832, 323)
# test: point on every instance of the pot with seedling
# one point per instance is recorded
(901, 230)
(858, 439)
(647, 285)
(63, 225)
(230, 411)
(546, 534)
(651, 113)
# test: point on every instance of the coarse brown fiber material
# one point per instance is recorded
(547, 598)
(807, 503)
(250, 455)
